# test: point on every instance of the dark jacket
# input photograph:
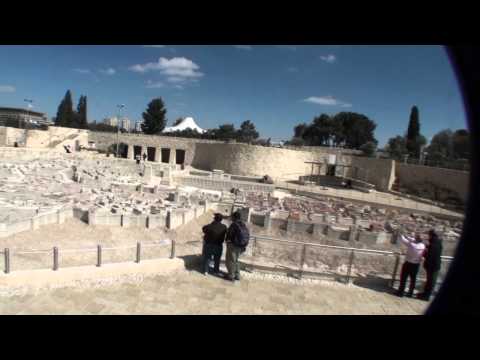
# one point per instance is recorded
(214, 233)
(232, 230)
(432, 257)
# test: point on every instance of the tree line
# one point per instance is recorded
(345, 129)
(446, 145)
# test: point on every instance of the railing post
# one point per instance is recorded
(350, 263)
(99, 255)
(395, 269)
(172, 252)
(6, 253)
(138, 253)
(55, 258)
(302, 261)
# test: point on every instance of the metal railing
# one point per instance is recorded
(55, 252)
(350, 252)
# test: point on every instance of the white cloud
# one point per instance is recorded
(330, 58)
(154, 85)
(82, 71)
(154, 46)
(177, 69)
(244, 47)
(7, 88)
(327, 101)
(109, 71)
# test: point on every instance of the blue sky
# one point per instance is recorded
(276, 87)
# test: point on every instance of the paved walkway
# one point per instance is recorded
(189, 292)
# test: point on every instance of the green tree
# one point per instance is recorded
(82, 122)
(154, 119)
(65, 114)
(299, 130)
(414, 140)
(461, 144)
(224, 132)
(247, 132)
(441, 147)
(369, 148)
(178, 121)
(397, 147)
(319, 132)
(353, 130)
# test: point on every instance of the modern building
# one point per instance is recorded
(23, 115)
(138, 126)
(112, 121)
(125, 124)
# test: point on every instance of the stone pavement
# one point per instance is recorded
(189, 292)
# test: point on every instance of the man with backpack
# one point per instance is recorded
(238, 237)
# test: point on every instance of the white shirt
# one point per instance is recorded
(414, 249)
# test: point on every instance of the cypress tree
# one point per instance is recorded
(65, 114)
(82, 122)
(413, 133)
(154, 120)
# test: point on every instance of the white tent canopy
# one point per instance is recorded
(187, 123)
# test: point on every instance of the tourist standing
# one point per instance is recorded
(214, 236)
(413, 258)
(144, 157)
(432, 263)
(238, 237)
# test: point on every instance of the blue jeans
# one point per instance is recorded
(209, 251)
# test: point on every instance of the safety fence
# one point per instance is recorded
(55, 257)
(341, 263)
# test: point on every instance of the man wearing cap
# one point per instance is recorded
(214, 236)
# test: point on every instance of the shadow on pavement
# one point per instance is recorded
(374, 283)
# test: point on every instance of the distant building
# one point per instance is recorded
(125, 124)
(112, 121)
(138, 126)
(25, 115)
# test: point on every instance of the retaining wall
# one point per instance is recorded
(445, 185)
(33, 223)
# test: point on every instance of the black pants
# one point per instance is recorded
(209, 251)
(431, 281)
(409, 270)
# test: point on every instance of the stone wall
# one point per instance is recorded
(379, 172)
(9, 136)
(250, 160)
(445, 185)
(222, 185)
(51, 217)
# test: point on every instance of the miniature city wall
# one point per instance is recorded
(33, 223)
(168, 219)
(53, 138)
(324, 226)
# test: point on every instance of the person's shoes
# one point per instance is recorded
(399, 293)
(409, 295)
(237, 277)
(218, 273)
(423, 296)
(229, 278)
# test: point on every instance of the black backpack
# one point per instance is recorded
(241, 235)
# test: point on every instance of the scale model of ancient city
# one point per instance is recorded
(68, 201)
